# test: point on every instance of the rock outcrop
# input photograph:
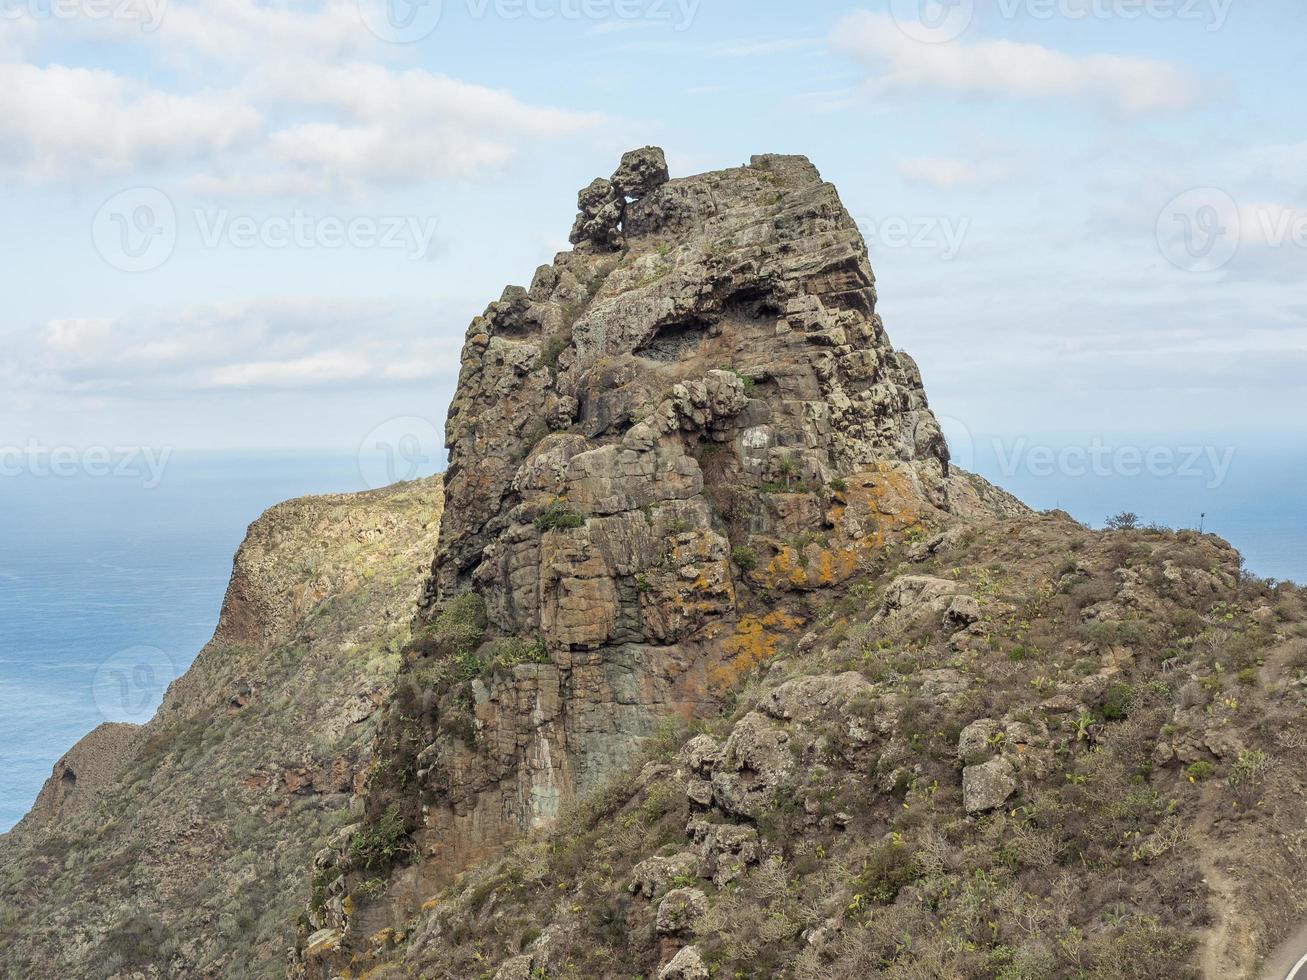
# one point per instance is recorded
(661, 451)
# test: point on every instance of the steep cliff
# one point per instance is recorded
(722, 670)
(180, 848)
(685, 430)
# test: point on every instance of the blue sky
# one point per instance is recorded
(240, 224)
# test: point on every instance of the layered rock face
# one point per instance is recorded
(686, 422)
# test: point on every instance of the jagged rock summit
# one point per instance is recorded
(704, 376)
(681, 430)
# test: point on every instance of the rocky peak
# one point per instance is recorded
(732, 314)
(680, 429)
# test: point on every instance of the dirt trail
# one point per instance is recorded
(1231, 943)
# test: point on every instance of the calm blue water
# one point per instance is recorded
(108, 589)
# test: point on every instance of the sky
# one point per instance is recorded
(233, 224)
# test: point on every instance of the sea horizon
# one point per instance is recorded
(101, 570)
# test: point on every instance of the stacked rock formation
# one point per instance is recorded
(692, 415)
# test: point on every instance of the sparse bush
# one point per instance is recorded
(1124, 521)
(887, 871)
(512, 651)
(745, 558)
(1117, 701)
(558, 516)
(457, 631)
(377, 846)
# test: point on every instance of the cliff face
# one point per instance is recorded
(703, 376)
(687, 428)
(180, 848)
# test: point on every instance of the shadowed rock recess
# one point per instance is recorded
(720, 670)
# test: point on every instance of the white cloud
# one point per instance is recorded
(353, 124)
(380, 125)
(58, 123)
(948, 174)
(1009, 69)
(242, 30)
(280, 345)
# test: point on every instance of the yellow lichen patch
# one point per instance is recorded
(430, 904)
(754, 642)
(814, 568)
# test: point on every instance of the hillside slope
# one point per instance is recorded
(1022, 751)
(179, 848)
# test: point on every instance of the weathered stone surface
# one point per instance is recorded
(600, 220)
(652, 875)
(680, 911)
(725, 850)
(688, 964)
(642, 172)
(976, 742)
(679, 427)
(987, 786)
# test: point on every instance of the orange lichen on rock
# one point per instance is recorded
(754, 642)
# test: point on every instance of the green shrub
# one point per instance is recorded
(457, 631)
(558, 516)
(515, 650)
(1199, 771)
(1117, 701)
(887, 871)
(745, 558)
(376, 847)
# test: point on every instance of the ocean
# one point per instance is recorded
(110, 585)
